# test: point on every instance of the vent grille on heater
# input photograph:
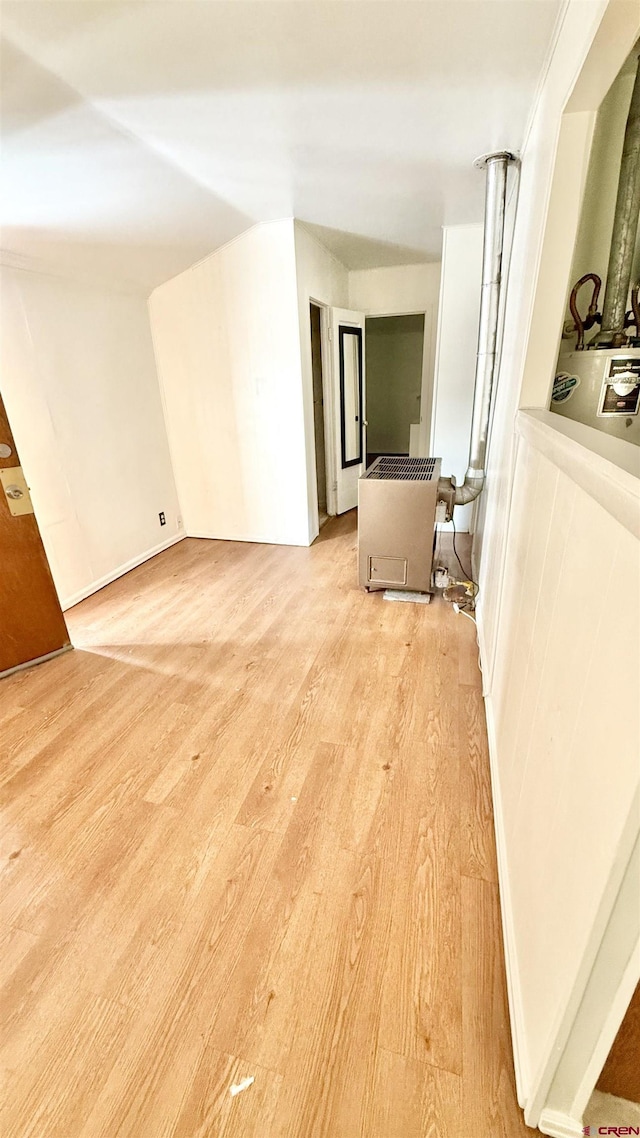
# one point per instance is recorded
(399, 468)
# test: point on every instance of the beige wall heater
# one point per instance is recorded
(396, 523)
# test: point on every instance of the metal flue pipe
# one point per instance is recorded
(625, 228)
(496, 166)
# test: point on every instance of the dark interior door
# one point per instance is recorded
(31, 620)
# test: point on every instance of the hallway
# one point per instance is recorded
(247, 831)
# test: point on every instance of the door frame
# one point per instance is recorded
(427, 389)
(346, 475)
(328, 409)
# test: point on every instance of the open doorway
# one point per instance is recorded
(395, 357)
(318, 411)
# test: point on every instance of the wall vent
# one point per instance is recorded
(399, 468)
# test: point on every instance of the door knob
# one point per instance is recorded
(16, 491)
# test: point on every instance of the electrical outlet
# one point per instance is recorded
(441, 577)
(163, 520)
(179, 520)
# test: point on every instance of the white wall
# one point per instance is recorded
(323, 279)
(80, 388)
(395, 291)
(556, 528)
(227, 343)
(456, 351)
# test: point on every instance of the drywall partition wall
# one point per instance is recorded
(394, 349)
(555, 530)
(456, 350)
(227, 343)
(401, 290)
(80, 387)
(395, 290)
(323, 279)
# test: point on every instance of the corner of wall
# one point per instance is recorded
(119, 571)
(232, 388)
(97, 489)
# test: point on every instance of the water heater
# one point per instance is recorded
(600, 388)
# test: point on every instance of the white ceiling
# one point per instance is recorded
(139, 135)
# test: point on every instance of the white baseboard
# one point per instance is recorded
(95, 586)
(520, 1060)
(560, 1125)
(257, 539)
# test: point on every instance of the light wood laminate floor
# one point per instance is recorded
(247, 830)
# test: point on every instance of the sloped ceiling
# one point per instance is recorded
(139, 136)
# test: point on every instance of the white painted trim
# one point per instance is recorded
(617, 28)
(327, 403)
(516, 1017)
(327, 400)
(120, 571)
(610, 1028)
(251, 539)
(313, 512)
(599, 974)
(544, 72)
(610, 982)
(371, 314)
(436, 354)
(486, 685)
(427, 391)
(606, 468)
(559, 1125)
